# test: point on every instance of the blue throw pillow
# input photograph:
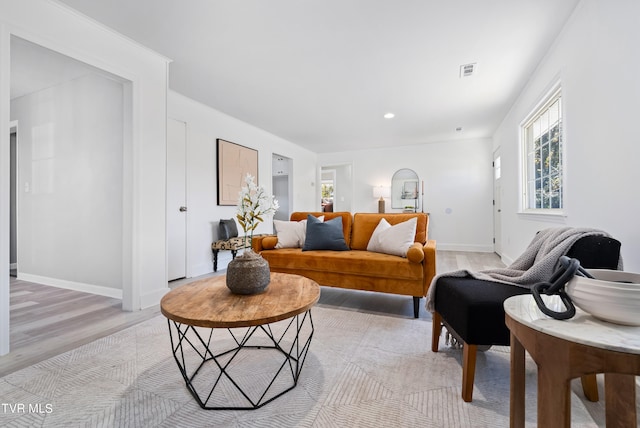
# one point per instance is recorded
(324, 235)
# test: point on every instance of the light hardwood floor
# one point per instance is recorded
(47, 321)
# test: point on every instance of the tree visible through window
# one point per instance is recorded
(543, 143)
(327, 190)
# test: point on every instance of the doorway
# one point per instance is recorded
(72, 168)
(282, 185)
(328, 189)
(342, 176)
(90, 256)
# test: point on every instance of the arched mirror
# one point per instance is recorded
(404, 190)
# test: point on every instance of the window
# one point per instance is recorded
(543, 157)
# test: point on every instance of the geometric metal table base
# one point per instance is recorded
(233, 372)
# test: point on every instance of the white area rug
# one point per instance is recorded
(362, 370)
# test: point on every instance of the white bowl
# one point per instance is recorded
(616, 279)
(606, 297)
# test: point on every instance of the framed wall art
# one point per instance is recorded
(234, 163)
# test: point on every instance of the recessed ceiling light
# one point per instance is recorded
(389, 115)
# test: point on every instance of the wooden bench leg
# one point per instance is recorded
(468, 370)
(215, 260)
(233, 254)
(416, 306)
(436, 330)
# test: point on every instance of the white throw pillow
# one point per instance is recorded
(395, 240)
(291, 234)
(288, 233)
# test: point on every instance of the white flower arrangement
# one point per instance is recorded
(253, 205)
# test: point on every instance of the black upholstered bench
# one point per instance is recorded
(472, 309)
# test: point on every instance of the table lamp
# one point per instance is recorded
(381, 192)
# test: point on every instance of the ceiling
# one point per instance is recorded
(322, 74)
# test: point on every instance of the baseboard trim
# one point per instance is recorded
(153, 298)
(71, 285)
(507, 260)
(205, 268)
(466, 247)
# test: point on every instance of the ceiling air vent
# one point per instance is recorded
(467, 70)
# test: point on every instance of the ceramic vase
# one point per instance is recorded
(248, 273)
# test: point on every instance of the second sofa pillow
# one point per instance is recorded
(324, 236)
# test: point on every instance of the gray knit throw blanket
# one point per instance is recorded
(538, 262)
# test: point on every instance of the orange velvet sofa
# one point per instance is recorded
(358, 268)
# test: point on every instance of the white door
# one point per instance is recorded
(176, 199)
(497, 206)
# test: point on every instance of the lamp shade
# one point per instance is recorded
(381, 192)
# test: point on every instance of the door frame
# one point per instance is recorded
(497, 202)
(13, 128)
(184, 199)
(132, 278)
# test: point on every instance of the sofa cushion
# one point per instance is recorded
(395, 240)
(365, 223)
(324, 235)
(361, 263)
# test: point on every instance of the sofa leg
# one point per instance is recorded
(416, 306)
(468, 370)
(436, 330)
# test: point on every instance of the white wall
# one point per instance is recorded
(597, 58)
(204, 126)
(61, 29)
(70, 170)
(458, 187)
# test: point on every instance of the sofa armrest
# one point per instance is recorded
(429, 263)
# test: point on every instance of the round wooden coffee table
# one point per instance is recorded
(213, 333)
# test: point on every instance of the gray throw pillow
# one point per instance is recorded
(228, 229)
(324, 235)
